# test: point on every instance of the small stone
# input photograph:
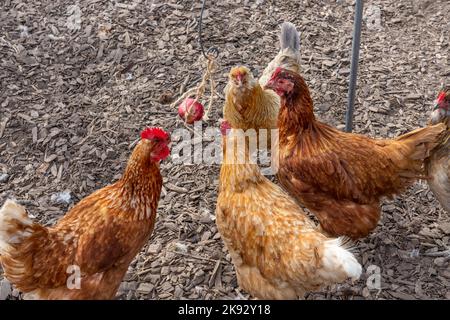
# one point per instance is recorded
(181, 247)
(164, 271)
(365, 292)
(155, 264)
(178, 292)
(440, 262)
(432, 271)
(199, 277)
(446, 274)
(130, 295)
(325, 106)
(427, 232)
(167, 287)
(443, 226)
(132, 285)
(34, 114)
(344, 71)
(169, 256)
(164, 295)
(154, 248)
(122, 288)
(145, 288)
(4, 177)
(389, 207)
(328, 63)
(153, 278)
(415, 253)
(206, 235)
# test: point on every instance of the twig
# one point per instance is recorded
(3, 126)
(214, 273)
(445, 253)
(143, 272)
(184, 84)
(194, 257)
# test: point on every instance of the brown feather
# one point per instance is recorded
(438, 170)
(101, 235)
(277, 251)
(342, 176)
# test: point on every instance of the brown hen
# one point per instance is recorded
(87, 253)
(341, 176)
(248, 105)
(277, 251)
(438, 164)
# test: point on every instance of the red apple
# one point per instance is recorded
(190, 110)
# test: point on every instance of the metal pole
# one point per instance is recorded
(354, 65)
(213, 50)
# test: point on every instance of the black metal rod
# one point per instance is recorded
(213, 50)
(354, 65)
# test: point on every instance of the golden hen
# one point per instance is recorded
(277, 251)
(438, 164)
(248, 105)
(87, 253)
(341, 176)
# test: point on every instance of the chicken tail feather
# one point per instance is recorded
(27, 256)
(289, 37)
(289, 55)
(347, 243)
(15, 226)
(410, 150)
(339, 263)
(423, 140)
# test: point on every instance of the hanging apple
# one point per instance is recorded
(190, 110)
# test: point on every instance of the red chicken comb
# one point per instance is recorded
(276, 73)
(154, 132)
(441, 97)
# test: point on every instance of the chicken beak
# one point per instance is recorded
(239, 78)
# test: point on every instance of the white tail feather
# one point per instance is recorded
(289, 55)
(289, 37)
(339, 263)
(14, 225)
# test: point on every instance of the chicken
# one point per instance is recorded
(277, 251)
(247, 105)
(87, 253)
(438, 164)
(289, 55)
(341, 176)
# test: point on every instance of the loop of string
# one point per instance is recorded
(210, 59)
(213, 51)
